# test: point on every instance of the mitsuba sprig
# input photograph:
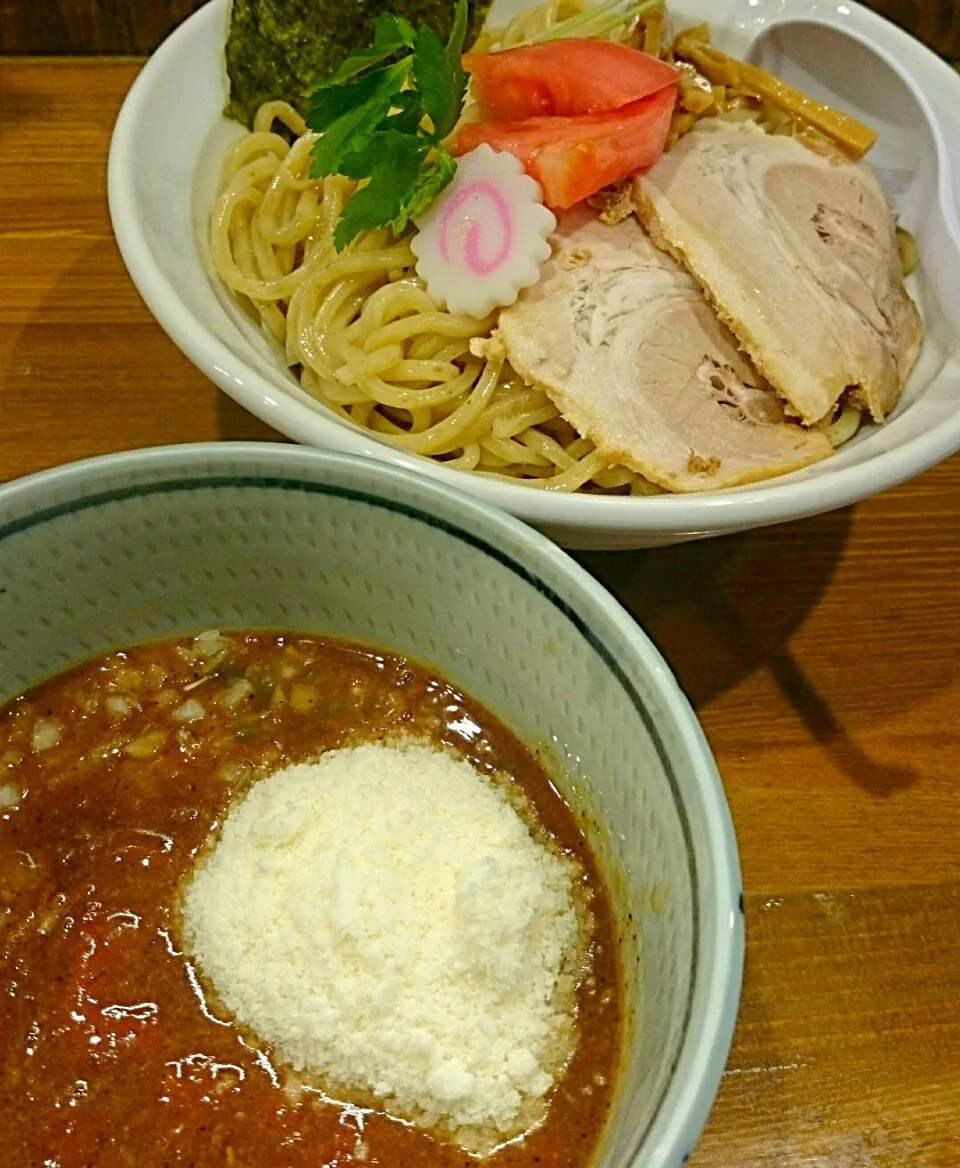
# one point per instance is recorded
(382, 115)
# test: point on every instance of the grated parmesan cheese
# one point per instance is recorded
(384, 918)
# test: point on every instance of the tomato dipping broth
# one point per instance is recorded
(114, 777)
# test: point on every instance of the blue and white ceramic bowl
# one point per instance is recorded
(131, 547)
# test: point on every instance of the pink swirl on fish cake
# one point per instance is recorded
(480, 189)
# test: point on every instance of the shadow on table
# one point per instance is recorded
(238, 425)
(721, 609)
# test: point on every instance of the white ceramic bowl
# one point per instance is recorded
(164, 162)
(119, 550)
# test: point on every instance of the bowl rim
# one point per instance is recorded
(687, 515)
(715, 991)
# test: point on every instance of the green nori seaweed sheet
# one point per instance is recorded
(283, 48)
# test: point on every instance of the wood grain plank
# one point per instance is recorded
(73, 392)
(847, 1053)
(89, 26)
(83, 366)
(132, 27)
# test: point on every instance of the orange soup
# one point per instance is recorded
(114, 778)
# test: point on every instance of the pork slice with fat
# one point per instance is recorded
(798, 253)
(623, 341)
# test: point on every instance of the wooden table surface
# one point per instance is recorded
(823, 659)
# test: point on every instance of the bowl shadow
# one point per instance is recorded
(720, 610)
(238, 425)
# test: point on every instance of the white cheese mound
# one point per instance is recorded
(383, 917)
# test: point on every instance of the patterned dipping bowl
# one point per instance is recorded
(169, 541)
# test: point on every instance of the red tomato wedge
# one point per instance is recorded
(574, 157)
(578, 75)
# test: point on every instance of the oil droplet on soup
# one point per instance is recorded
(113, 1045)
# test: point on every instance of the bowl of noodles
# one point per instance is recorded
(228, 240)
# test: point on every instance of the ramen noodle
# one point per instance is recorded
(367, 339)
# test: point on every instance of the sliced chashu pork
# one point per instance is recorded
(798, 253)
(622, 340)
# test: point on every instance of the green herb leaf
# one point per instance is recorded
(329, 102)
(435, 81)
(458, 33)
(436, 172)
(390, 28)
(390, 34)
(406, 113)
(347, 116)
(455, 51)
(395, 162)
(439, 74)
(382, 127)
